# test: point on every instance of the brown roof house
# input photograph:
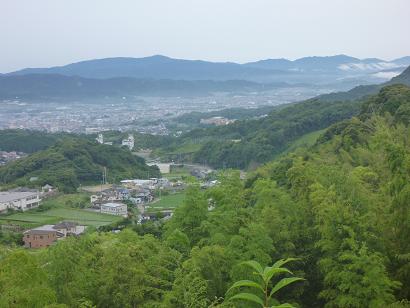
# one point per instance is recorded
(46, 235)
(40, 237)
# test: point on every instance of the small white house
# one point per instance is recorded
(118, 209)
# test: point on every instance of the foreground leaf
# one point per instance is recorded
(248, 297)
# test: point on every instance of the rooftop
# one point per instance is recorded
(7, 196)
(42, 229)
(65, 225)
(113, 205)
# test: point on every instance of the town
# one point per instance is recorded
(141, 200)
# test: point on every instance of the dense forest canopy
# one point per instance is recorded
(341, 208)
(74, 161)
(26, 141)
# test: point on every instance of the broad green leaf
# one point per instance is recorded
(248, 297)
(270, 272)
(245, 283)
(286, 305)
(282, 262)
(255, 265)
(283, 283)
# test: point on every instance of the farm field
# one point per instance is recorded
(59, 209)
(167, 202)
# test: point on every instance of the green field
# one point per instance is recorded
(61, 209)
(167, 202)
(177, 173)
(306, 140)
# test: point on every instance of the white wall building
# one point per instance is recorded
(118, 209)
(100, 138)
(129, 142)
(19, 200)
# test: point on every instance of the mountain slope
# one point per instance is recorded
(155, 67)
(73, 161)
(249, 142)
(362, 91)
(318, 70)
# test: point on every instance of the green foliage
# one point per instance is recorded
(73, 161)
(257, 141)
(261, 284)
(26, 141)
(341, 207)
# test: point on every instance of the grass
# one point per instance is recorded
(167, 202)
(306, 140)
(177, 173)
(185, 149)
(60, 209)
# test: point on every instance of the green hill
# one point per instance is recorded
(26, 141)
(74, 161)
(252, 142)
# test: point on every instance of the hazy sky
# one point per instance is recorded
(37, 33)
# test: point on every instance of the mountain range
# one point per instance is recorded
(270, 70)
(164, 76)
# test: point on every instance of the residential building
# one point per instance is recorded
(39, 237)
(19, 200)
(129, 142)
(67, 228)
(118, 209)
(46, 235)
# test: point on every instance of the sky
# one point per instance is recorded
(43, 33)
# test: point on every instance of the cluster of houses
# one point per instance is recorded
(137, 192)
(6, 157)
(46, 235)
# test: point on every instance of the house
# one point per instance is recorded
(19, 200)
(46, 235)
(47, 188)
(39, 237)
(118, 209)
(67, 228)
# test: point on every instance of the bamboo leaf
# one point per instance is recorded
(245, 283)
(248, 297)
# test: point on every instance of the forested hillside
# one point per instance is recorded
(26, 141)
(340, 207)
(74, 161)
(251, 142)
(257, 141)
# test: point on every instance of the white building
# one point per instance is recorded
(129, 142)
(19, 200)
(118, 209)
(100, 139)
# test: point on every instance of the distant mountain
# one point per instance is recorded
(365, 90)
(155, 67)
(316, 70)
(403, 61)
(60, 87)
